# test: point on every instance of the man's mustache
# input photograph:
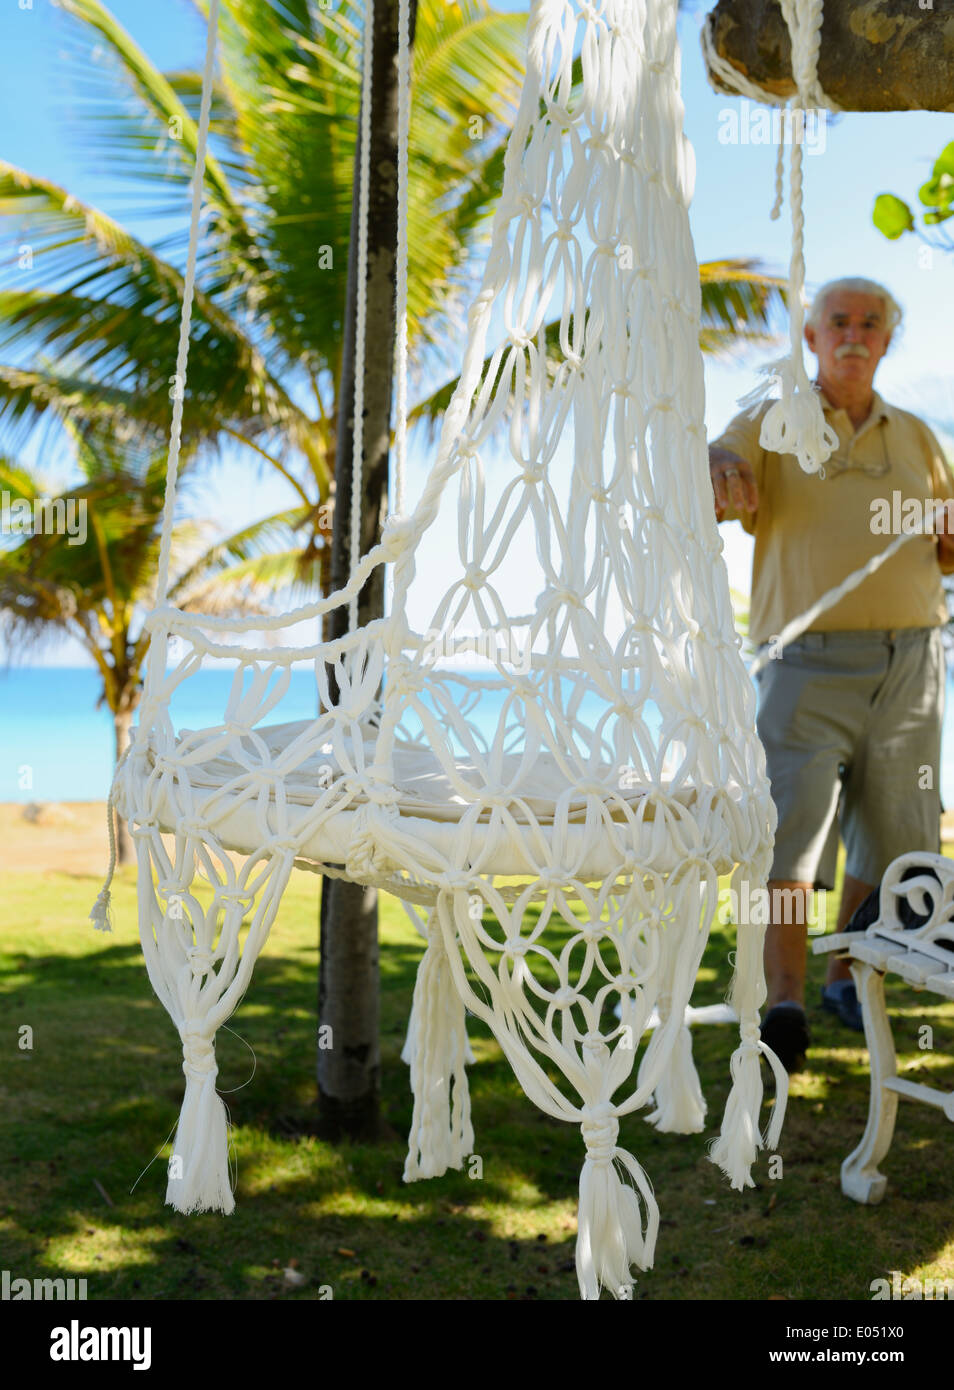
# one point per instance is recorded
(851, 350)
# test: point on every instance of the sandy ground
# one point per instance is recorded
(71, 836)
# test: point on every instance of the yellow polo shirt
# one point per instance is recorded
(811, 532)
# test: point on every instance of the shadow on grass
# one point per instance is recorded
(100, 1090)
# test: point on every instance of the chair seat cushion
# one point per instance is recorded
(537, 813)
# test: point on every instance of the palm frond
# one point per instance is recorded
(741, 301)
(257, 585)
(127, 348)
(20, 482)
(162, 110)
(231, 553)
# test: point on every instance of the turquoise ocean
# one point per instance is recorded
(55, 745)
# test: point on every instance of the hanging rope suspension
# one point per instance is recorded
(401, 265)
(364, 196)
(100, 915)
(795, 423)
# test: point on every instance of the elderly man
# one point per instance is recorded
(850, 713)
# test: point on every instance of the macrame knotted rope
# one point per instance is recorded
(740, 1140)
(565, 816)
(612, 1233)
(795, 422)
(437, 1050)
(680, 1106)
(198, 1169)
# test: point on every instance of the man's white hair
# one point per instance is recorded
(856, 284)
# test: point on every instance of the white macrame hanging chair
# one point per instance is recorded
(568, 858)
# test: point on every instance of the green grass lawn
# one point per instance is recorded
(99, 1093)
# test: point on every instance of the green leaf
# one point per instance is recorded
(938, 192)
(891, 216)
(944, 164)
(155, 95)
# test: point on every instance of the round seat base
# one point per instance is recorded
(535, 825)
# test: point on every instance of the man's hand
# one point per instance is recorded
(944, 529)
(733, 485)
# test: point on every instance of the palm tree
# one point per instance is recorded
(268, 321)
(266, 356)
(96, 583)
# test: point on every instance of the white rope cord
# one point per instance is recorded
(185, 322)
(828, 600)
(779, 182)
(401, 267)
(818, 439)
(364, 196)
(804, 20)
(609, 778)
(100, 914)
(795, 423)
(734, 79)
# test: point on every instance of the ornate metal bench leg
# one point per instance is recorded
(860, 1178)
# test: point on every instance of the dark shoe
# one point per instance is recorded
(785, 1031)
(841, 999)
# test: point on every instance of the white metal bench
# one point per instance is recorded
(914, 954)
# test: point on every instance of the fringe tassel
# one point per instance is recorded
(437, 1051)
(680, 1104)
(739, 1141)
(410, 1039)
(199, 1168)
(101, 915)
(611, 1236)
(795, 423)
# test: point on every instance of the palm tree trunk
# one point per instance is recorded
(122, 722)
(349, 1059)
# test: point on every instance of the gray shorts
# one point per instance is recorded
(851, 724)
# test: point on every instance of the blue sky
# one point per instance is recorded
(863, 155)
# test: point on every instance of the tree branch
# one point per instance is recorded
(876, 55)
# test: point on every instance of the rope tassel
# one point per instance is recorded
(101, 914)
(795, 423)
(739, 1141)
(738, 1144)
(199, 1168)
(437, 1051)
(680, 1104)
(611, 1236)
